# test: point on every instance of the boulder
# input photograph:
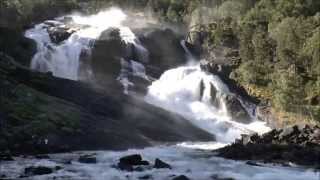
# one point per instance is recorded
(127, 163)
(88, 159)
(107, 53)
(159, 164)
(165, 50)
(235, 109)
(59, 34)
(39, 170)
(134, 160)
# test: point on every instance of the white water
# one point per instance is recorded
(178, 90)
(63, 59)
(197, 165)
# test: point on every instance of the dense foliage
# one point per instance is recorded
(279, 44)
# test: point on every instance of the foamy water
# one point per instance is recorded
(197, 165)
(178, 90)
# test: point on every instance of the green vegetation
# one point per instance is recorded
(279, 44)
(28, 116)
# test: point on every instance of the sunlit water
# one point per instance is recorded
(177, 90)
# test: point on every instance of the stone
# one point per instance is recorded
(59, 34)
(127, 163)
(88, 159)
(133, 160)
(159, 164)
(40, 170)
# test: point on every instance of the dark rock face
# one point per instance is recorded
(235, 108)
(88, 159)
(40, 170)
(300, 145)
(106, 57)
(164, 48)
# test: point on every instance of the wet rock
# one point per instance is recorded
(88, 159)
(133, 160)
(235, 108)
(127, 163)
(40, 170)
(159, 164)
(165, 50)
(181, 177)
(59, 34)
(107, 66)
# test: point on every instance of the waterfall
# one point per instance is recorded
(190, 57)
(189, 92)
(63, 59)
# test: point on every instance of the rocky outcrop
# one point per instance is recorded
(296, 144)
(106, 57)
(164, 48)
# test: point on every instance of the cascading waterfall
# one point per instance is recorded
(188, 92)
(63, 59)
(184, 90)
